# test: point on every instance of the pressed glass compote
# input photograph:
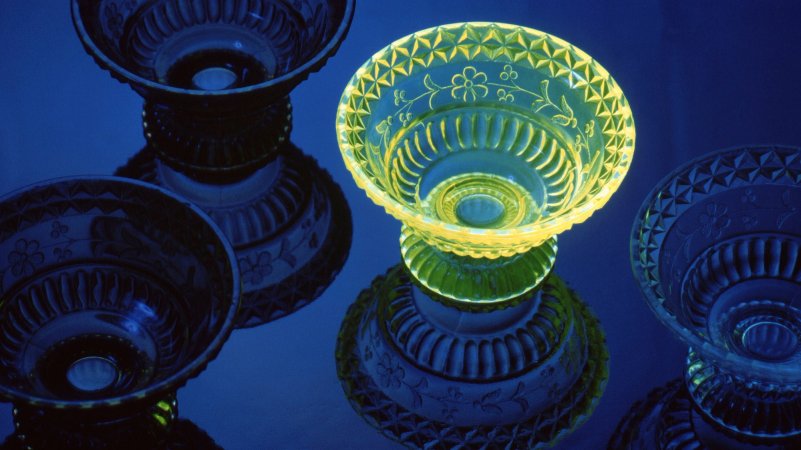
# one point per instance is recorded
(485, 140)
(113, 293)
(715, 248)
(216, 76)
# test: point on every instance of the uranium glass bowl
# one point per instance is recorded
(716, 248)
(485, 139)
(214, 50)
(113, 293)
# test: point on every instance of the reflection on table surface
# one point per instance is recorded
(699, 78)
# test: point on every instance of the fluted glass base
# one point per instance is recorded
(216, 146)
(289, 223)
(742, 404)
(426, 374)
(471, 283)
(668, 419)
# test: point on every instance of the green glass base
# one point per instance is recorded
(467, 282)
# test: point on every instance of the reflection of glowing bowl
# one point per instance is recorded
(114, 293)
(486, 140)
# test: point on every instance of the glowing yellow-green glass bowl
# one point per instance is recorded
(530, 107)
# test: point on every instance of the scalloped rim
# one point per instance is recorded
(300, 72)
(535, 233)
(720, 357)
(173, 382)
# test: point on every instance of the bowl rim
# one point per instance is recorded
(174, 381)
(285, 78)
(774, 371)
(533, 233)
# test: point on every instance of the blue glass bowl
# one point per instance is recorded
(716, 248)
(220, 52)
(113, 293)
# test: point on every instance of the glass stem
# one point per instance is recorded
(458, 321)
(472, 283)
(743, 406)
(215, 195)
(223, 145)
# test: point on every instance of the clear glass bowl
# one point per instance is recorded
(216, 74)
(217, 51)
(716, 248)
(113, 293)
(485, 139)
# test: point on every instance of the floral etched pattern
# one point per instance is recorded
(714, 220)
(489, 402)
(254, 272)
(469, 85)
(748, 197)
(255, 268)
(58, 229)
(390, 372)
(62, 253)
(563, 114)
(392, 375)
(25, 257)
(450, 413)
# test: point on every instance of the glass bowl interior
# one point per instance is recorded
(111, 292)
(716, 248)
(216, 47)
(486, 138)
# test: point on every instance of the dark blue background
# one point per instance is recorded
(699, 76)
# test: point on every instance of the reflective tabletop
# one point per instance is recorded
(699, 77)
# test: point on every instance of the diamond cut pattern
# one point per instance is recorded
(498, 43)
(691, 184)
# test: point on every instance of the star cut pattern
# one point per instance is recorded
(496, 43)
(692, 183)
(487, 42)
